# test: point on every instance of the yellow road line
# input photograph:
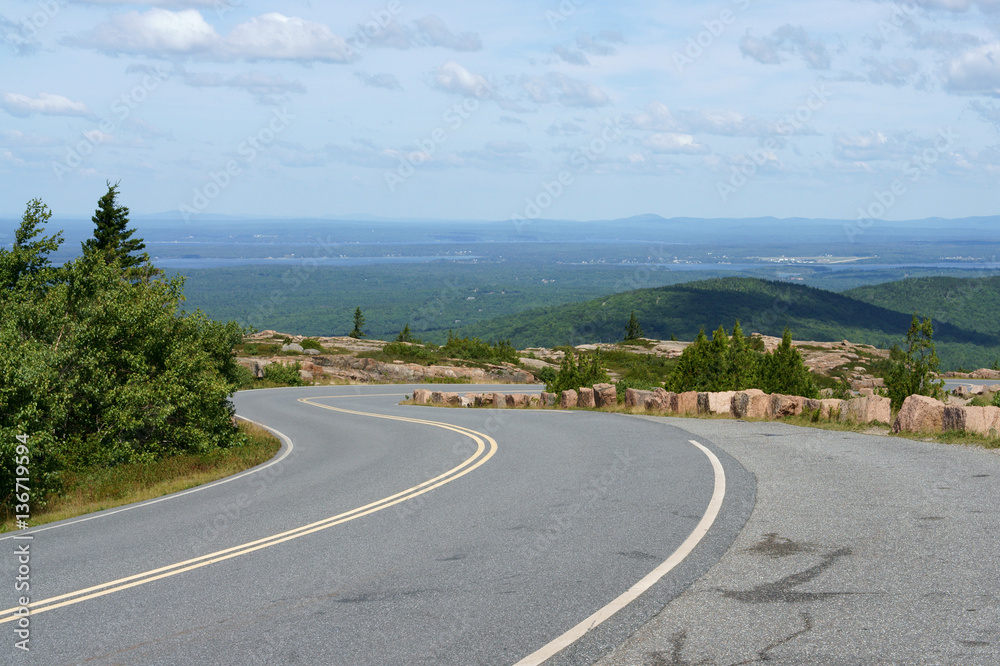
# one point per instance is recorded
(701, 529)
(139, 505)
(474, 461)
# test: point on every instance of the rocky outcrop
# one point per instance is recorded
(750, 404)
(830, 407)
(605, 395)
(716, 403)
(919, 414)
(343, 367)
(568, 399)
(785, 405)
(867, 409)
(687, 403)
(978, 420)
(636, 397)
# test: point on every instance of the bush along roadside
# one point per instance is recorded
(99, 367)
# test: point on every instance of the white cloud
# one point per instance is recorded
(569, 56)
(158, 31)
(17, 104)
(429, 30)
(656, 117)
(435, 33)
(786, 39)
(895, 72)
(976, 72)
(161, 32)
(874, 145)
(564, 89)
(381, 80)
(722, 122)
(674, 143)
(278, 37)
(452, 77)
(960, 5)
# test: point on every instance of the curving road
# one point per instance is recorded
(388, 534)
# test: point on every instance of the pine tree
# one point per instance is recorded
(718, 361)
(744, 362)
(404, 335)
(784, 371)
(911, 370)
(359, 324)
(28, 259)
(633, 331)
(112, 238)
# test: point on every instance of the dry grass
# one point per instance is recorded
(96, 490)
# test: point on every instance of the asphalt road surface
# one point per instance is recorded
(434, 536)
(487, 536)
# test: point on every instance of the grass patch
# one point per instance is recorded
(446, 380)
(98, 489)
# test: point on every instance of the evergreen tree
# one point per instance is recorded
(718, 361)
(691, 371)
(633, 331)
(910, 373)
(744, 362)
(359, 324)
(112, 238)
(784, 372)
(28, 258)
(404, 335)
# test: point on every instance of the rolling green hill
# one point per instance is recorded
(972, 303)
(761, 306)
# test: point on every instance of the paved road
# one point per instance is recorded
(387, 541)
(860, 550)
(950, 384)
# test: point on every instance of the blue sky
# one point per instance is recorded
(564, 109)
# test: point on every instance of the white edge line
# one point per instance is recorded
(701, 529)
(103, 514)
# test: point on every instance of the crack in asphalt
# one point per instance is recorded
(782, 591)
(677, 641)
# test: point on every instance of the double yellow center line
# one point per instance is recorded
(486, 448)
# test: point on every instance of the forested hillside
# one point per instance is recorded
(972, 303)
(762, 306)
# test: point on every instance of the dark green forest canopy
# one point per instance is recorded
(972, 303)
(766, 307)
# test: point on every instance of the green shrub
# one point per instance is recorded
(623, 385)
(98, 364)
(474, 349)
(311, 343)
(572, 375)
(280, 373)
